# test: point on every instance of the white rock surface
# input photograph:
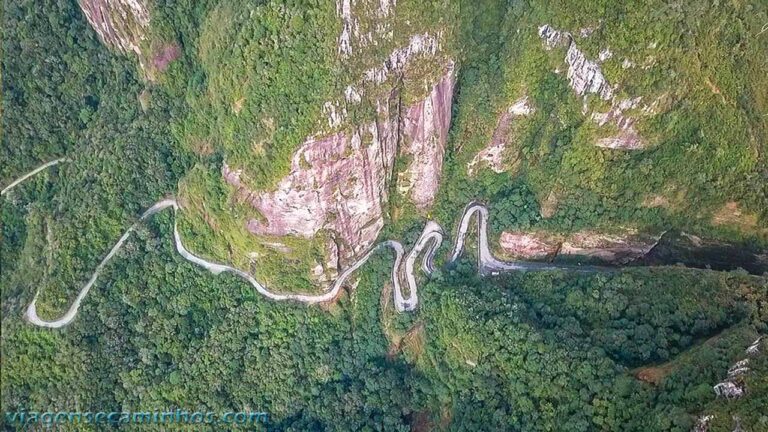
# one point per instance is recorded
(702, 424)
(419, 44)
(121, 24)
(584, 75)
(344, 10)
(729, 390)
(605, 54)
(755, 347)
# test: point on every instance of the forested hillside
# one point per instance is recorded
(298, 135)
(692, 78)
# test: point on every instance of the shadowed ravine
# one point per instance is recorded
(427, 244)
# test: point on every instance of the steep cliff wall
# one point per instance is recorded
(318, 120)
(341, 182)
(120, 24)
(425, 133)
(338, 182)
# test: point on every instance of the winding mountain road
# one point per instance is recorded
(487, 263)
(427, 244)
(31, 173)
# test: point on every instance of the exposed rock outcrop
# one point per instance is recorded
(365, 23)
(610, 248)
(344, 10)
(552, 37)
(702, 424)
(337, 182)
(425, 133)
(739, 368)
(733, 386)
(340, 182)
(627, 140)
(419, 44)
(123, 25)
(618, 248)
(493, 154)
(528, 245)
(120, 24)
(586, 77)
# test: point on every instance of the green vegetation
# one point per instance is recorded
(521, 353)
(262, 75)
(65, 95)
(265, 67)
(700, 65)
(533, 365)
(222, 234)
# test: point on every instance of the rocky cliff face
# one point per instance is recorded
(734, 386)
(629, 246)
(123, 25)
(522, 245)
(337, 183)
(425, 133)
(611, 248)
(340, 182)
(586, 77)
(120, 24)
(377, 125)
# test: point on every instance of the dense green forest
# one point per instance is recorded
(526, 352)
(65, 95)
(633, 350)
